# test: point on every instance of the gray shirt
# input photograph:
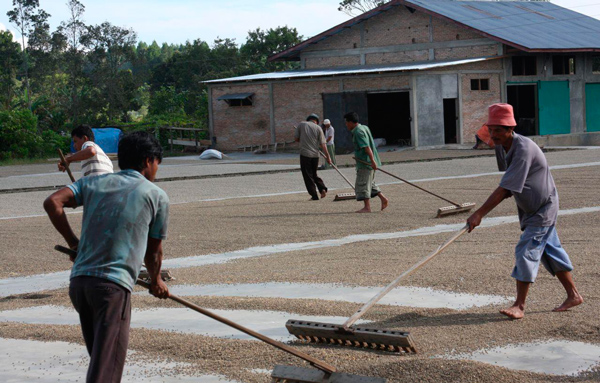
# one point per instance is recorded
(528, 177)
(311, 137)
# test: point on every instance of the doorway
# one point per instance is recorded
(450, 121)
(523, 99)
(389, 117)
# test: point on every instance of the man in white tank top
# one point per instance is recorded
(93, 159)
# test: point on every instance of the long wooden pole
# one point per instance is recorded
(338, 170)
(410, 183)
(405, 274)
(65, 164)
(327, 368)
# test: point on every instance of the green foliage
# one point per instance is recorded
(100, 75)
(260, 44)
(18, 134)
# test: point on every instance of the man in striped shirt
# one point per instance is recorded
(93, 159)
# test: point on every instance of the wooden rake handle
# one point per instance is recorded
(410, 183)
(405, 274)
(338, 170)
(65, 164)
(328, 369)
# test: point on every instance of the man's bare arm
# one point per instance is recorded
(499, 195)
(55, 208)
(370, 154)
(81, 155)
(153, 260)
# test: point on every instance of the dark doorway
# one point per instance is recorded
(523, 99)
(389, 117)
(450, 121)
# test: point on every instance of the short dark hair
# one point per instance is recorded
(313, 117)
(351, 117)
(135, 147)
(83, 130)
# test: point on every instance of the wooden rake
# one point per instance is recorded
(443, 211)
(325, 372)
(370, 338)
(342, 196)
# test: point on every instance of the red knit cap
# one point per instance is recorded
(501, 114)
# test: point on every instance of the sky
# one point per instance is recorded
(176, 21)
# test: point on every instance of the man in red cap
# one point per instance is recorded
(528, 179)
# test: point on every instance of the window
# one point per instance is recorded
(524, 66)
(596, 64)
(238, 99)
(240, 102)
(480, 84)
(563, 64)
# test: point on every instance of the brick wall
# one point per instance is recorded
(376, 83)
(396, 57)
(444, 30)
(476, 102)
(328, 62)
(466, 52)
(396, 27)
(294, 101)
(241, 125)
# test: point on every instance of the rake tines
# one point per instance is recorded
(359, 337)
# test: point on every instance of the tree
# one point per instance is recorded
(350, 7)
(10, 60)
(260, 44)
(111, 48)
(73, 31)
(26, 20)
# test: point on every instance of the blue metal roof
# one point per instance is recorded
(532, 25)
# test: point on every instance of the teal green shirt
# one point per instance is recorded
(121, 210)
(362, 138)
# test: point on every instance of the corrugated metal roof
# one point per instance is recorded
(350, 70)
(533, 25)
(527, 25)
(235, 96)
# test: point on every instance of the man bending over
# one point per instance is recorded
(124, 222)
(528, 179)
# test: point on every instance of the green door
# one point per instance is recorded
(592, 107)
(554, 107)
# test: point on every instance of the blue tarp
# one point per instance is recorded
(106, 138)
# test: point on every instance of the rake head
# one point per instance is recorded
(448, 210)
(164, 274)
(289, 374)
(345, 197)
(374, 339)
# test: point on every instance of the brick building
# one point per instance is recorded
(422, 73)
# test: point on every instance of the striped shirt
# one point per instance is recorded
(99, 164)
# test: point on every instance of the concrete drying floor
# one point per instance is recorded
(246, 243)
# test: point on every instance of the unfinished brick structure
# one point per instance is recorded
(417, 77)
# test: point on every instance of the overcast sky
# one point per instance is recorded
(175, 21)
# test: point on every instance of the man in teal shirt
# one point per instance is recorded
(364, 150)
(124, 222)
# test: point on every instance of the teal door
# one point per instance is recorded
(554, 107)
(592, 107)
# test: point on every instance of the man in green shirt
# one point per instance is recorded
(364, 149)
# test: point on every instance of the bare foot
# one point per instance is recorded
(324, 194)
(513, 312)
(384, 202)
(363, 210)
(569, 302)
